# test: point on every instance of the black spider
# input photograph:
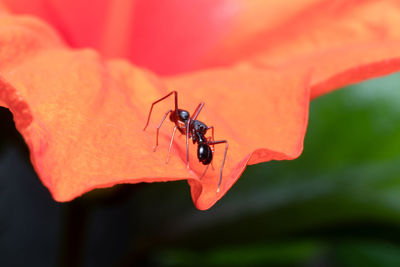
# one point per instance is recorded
(193, 129)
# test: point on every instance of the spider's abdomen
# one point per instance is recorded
(204, 154)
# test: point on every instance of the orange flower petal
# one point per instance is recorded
(265, 122)
(164, 36)
(342, 42)
(82, 116)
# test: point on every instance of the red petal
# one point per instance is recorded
(165, 36)
(341, 41)
(82, 116)
(265, 122)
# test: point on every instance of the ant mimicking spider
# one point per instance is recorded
(193, 129)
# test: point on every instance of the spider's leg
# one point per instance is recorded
(158, 128)
(212, 139)
(170, 144)
(223, 162)
(159, 100)
(187, 142)
(197, 111)
(205, 170)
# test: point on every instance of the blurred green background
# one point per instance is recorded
(336, 205)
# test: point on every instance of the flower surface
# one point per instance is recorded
(255, 64)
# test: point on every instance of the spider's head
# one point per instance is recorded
(183, 115)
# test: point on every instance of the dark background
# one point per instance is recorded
(337, 205)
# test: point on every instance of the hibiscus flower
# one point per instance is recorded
(255, 64)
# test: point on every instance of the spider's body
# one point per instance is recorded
(193, 129)
(197, 131)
